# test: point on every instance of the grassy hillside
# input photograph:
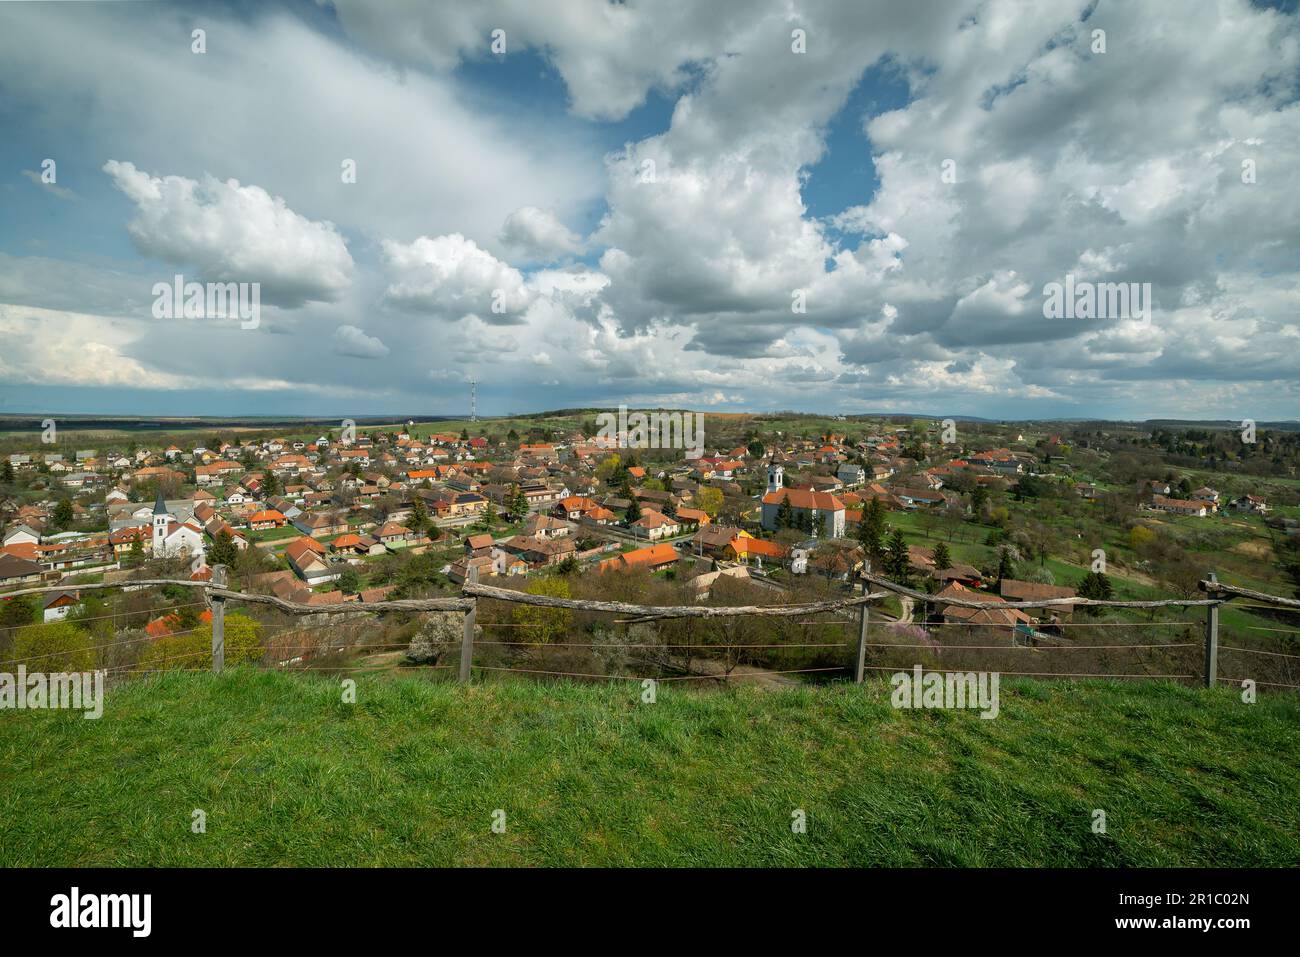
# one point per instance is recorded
(588, 775)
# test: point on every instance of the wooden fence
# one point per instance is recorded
(217, 594)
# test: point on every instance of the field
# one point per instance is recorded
(411, 774)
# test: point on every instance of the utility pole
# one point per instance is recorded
(473, 400)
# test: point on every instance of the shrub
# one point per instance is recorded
(193, 651)
(58, 646)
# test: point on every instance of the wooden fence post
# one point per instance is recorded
(864, 619)
(218, 620)
(1211, 639)
(467, 640)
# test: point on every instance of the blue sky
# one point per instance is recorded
(518, 182)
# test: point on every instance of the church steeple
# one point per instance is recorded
(160, 505)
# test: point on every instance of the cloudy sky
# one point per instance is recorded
(833, 205)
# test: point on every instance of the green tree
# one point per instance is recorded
(419, 515)
(942, 559)
(898, 561)
(135, 555)
(63, 513)
(349, 581)
(193, 651)
(223, 550)
(1095, 585)
(544, 625)
(785, 515)
(53, 647)
(709, 501)
(633, 511)
(7, 472)
(871, 530)
(1006, 566)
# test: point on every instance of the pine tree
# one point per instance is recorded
(784, 515)
(1006, 567)
(7, 472)
(871, 530)
(942, 559)
(898, 562)
(223, 551)
(633, 511)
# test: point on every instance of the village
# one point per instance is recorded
(323, 520)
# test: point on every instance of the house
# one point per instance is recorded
(1251, 504)
(712, 540)
(1015, 590)
(653, 557)
(574, 507)
(21, 535)
(1006, 618)
(1179, 506)
(319, 524)
(692, 516)
(60, 605)
(392, 534)
(267, 518)
(1206, 494)
(851, 474)
(307, 559)
(746, 548)
(543, 526)
(655, 525)
(459, 570)
(537, 552)
(17, 571)
(478, 545)
(916, 497)
(701, 585)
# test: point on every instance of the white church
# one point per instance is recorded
(173, 539)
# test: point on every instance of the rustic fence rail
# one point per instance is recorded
(217, 594)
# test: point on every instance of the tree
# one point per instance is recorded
(512, 436)
(1097, 586)
(419, 516)
(898, 561)
(7, 473)
(223, 551)
(942, 559)
(464, 435)
(193, 651)
(349, 581)
(540, 624)
(1006, 566)
(568, 565)
(135, 556)
(978, 497)
(633, 511)
(755, 449)
(785, 515)
(63, 514)
(270, 485)
(871, 531)
(489, 516)
(709, 501)
(58, 646)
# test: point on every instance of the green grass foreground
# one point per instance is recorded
(588, 775)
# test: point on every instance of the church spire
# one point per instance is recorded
(160, 506)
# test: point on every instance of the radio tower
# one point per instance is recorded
(473, 400)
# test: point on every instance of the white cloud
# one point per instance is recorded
(450, 276)
(235, 233)
(538, 234)
(351, 341)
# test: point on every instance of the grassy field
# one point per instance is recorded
(411, 774)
